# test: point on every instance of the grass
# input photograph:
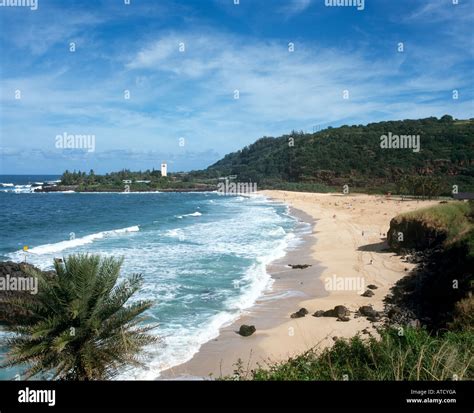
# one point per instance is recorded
(463, 318)
(414, 355)
(453, 218)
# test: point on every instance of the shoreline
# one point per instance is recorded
(347, 240)
(289, 287)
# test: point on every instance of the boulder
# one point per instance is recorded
(343, 318)
(341, 311)
(368, 293)
(337, 311)
(300, 313)
(372, 287)
(246, 330)
(368, 311)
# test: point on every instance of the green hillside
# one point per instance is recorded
(352, 155)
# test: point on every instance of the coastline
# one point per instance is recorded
(347, 240)
(289, 288)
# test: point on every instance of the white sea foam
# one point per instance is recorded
(194, 214)
(276, 232)
(77, 242)
(174, 233)
(179, 342)
(184, 341)
(18, 189)
(256, 279)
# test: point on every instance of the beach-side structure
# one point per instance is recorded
(164, 169)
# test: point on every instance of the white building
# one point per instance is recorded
(164, 169)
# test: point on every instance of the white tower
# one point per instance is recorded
(164, 169)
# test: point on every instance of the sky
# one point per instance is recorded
(189, 81)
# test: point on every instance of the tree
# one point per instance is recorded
(78, 327)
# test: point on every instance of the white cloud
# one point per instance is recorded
(190, 94)
(294, 7)
(277, 86)
(436, 11)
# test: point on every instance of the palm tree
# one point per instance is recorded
(77, 327)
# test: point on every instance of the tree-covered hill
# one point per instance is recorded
(352, 155)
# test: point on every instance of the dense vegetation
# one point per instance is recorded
(78, 326)
(413, 355)
(328, 160)
(438, 293)
(139, 181)
(352, 155)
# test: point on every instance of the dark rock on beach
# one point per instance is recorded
(300, 313)
(337, 311)
(372, 287)
(368, 311)
(343, 318)
(299, 266)
(319, 313)
(341, 311)
(368, 293)
(246, 330)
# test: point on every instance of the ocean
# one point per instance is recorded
(203, 256)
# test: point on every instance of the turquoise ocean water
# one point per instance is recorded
(203, 256)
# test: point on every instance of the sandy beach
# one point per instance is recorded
(347, 243)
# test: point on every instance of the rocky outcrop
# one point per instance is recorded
(56, 188)
(407, 234)
(11, 270)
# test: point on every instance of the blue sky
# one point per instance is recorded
(190, 94)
